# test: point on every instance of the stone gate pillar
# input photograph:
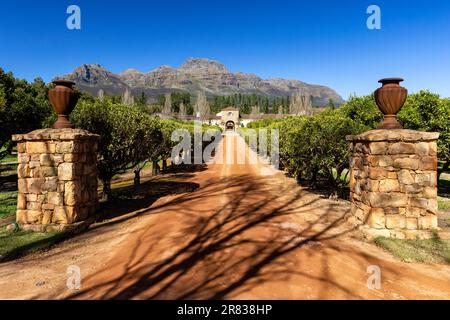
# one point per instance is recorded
(57, 172)
(393, 183)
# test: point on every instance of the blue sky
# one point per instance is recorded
(322, 42)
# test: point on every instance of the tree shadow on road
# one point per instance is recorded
(244, 242)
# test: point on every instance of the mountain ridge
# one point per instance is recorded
(194, 76)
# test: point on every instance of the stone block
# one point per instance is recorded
(72, 193)
(405, 177)
(23, 171)
(423, 179)
(372, 185)
(46, 160)
(47, 217)
(38, 147)
(395, 221)
(60, 215)
(34, 216)
(412, 223)
(428, 163)
(21, 216)
(55, 198)
(433, 151)
(430, 192)
(389, 185)
(48, 171)
(422, 148)
(406, 163)
(428, 222)
(412, 188)
(419, 203)
(378, 147)
(71, 157)
(412, 212)
(392, 175)
(21, 201)
(21, 147)
(36, 206)
(31, 185)
(377, 218)
(50, 184)
(23, 158)
(66, 171)
(377, 173)
(48, 206)
(402, 148)
(393, 199)
(68, 147)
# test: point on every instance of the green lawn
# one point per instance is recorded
(23, 242)
(433, 250)
(8, 201)
(9, 158)
(443, 203)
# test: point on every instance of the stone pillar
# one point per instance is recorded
(57, 174)
(393, 183)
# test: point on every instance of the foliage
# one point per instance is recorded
(426, 111)
(362, 110)
(23, 108)
(314, 148)
(127, 136)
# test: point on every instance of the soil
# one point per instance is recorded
(237, 231)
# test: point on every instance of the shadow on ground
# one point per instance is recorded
(215, 254)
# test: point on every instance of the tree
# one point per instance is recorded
(182, 113)
(24, 107)
(101, 95)
(141, 101)
(202, 109)
(167, 109)
(300, 105)
(330, 104)
(127, 136)
(255, 111)
(127, 97)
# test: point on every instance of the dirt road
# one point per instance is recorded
(247, 232)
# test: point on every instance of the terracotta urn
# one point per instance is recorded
(63, 99)
(390, 98)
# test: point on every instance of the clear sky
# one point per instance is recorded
(322, 42)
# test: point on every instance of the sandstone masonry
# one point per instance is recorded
(57, 172)
(393, 183)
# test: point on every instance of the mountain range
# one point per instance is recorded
(194, 76)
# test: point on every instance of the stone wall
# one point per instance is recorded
(393, 183)
(57, 178)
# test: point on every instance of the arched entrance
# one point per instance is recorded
(229, 126)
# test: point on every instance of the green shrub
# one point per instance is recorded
(127, 136)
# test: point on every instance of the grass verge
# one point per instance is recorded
(8, 201)
(13, 245)
(443, 203)
(432, 250)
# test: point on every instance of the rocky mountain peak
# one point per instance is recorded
(203, 66)
(194, 76)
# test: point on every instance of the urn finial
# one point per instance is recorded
(390, 98)
(63, 99)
